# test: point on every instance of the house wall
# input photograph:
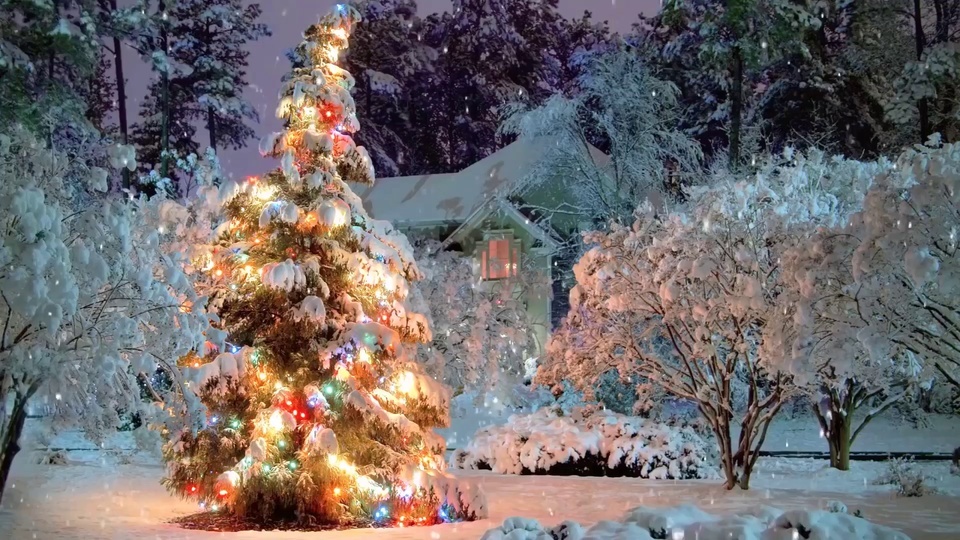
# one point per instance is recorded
(538, 259)
(534, 256)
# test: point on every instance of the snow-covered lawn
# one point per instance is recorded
(96, 496)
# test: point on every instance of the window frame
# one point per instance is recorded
(513, 256)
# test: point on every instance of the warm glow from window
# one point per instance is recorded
(500, 259)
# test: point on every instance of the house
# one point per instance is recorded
(489, 211)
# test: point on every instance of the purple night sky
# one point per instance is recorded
(288, 19)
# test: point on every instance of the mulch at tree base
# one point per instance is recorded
(223, 522)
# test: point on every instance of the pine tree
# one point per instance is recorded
(490, 53)
(97, 93)
(388, 55)
(316, 413)
(197, 49)
(576, 43)
(210, 36)
(738, 38)
(42, 45)
(165, 125)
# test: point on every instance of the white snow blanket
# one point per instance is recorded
(689, 522)
(617, 445)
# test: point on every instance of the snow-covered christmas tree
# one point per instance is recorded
(316, 414)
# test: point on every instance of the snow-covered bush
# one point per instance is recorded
(909, 481)
(817, 330)
(905, 260)
(90, 302)
(837, 507)
(683, 301)
(687, 521)
(52, 457)
(588, 442)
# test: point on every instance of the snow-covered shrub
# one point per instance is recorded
(684, 299)
(902, 250)
(837, 507)
(909, 481)
(687, 521)
(589, 442)
(52, 457)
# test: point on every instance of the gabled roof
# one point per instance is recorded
(445, 198)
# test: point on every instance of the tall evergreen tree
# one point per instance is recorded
(197, 48)
(924, 96)
(210, 37)
(431, 91)
(578, 41)
(164, 125)
(321, 417)
(802, 75)
(97, 93)
(491, 52)
(388, 54)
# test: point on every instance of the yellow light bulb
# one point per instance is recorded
(407, 382)
(276, 421)
(333, 53)
(363, 355)
(265, 192)
(340, 33)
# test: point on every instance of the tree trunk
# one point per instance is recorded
(212, 128)
(744, 482)
(727, 459)
(165, 101)
(736, 105)
(922, 106)
(837, 424)
(721, 429)
(839, 441)
(121, 94)
(11, 439)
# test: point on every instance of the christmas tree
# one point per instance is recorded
(315, 412)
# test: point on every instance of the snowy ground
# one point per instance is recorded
(96, 496)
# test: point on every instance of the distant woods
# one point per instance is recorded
(753, 76)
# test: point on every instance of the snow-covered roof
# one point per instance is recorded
(438, 198)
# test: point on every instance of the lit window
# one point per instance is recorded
(500, 258)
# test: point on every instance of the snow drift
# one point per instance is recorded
(687, 521)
